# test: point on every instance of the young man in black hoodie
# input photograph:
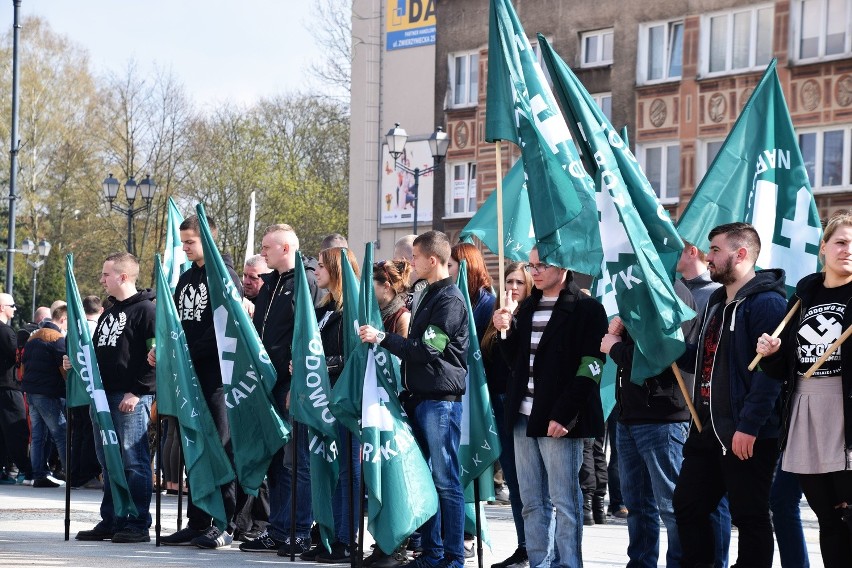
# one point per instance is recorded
(192, 299)
(123, 336)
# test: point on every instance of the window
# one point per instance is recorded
(821, 28)
(596, 48)
(660, 52)
(604, 101)
(538, 57)
(827, 157)
(709, 151)
(462, 195)
(739, 40)
(661, 164)
(464, 79)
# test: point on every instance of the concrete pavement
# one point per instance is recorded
(32, 534)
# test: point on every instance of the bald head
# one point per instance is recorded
(41, 313)
(279, 247)
(7, 307)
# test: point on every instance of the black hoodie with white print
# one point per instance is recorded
(123, 336)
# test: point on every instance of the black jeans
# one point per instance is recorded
(14, 429)
(83, 464)
(824, 491)
(593, 473)
(705, 476)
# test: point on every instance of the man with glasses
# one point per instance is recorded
(13, 414)
(552, 403)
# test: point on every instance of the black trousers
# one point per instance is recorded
(706, 475)
(198, 519)
(15, 430)
(83, 464)
(824, 492)
(593, 472)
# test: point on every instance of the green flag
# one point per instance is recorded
(518, 234)
(520, 108)
(636, 232)
(401, 493)
(84, 386)
(759, 177)
(179, 395)
(257, 431)
(310, 391)
(351, 341)
(174, 259)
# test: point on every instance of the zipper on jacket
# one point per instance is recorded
(735, 303)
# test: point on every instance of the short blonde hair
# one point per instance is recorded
(125, 263)
(283, 228)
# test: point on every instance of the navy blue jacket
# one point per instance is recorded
(758, 308)
(42, 362)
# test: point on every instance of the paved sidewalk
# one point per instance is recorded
(32, 534)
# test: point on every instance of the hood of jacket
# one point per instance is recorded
(769, 280)
(139, 296)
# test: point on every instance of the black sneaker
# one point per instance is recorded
(182, 537)
(131, 535)
(519, 559)
(213, 538)
(311, 555)
(339, 554)
(303, 544)
(394, 560)
(48, 481)
(100, 532)
(263, 543)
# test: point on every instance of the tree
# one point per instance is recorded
(335, 36)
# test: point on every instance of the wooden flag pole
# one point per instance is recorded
(687, 396)
(776, 333)
(501, 254)
(828, 352)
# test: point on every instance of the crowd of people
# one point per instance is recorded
(757, 439)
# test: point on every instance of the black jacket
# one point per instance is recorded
(123, 337)
(196, 316)
(782, 364)
(274, 317)
(330, 321)
(659, 399)
(567, 368)
(42, 362)
(432, 370)
(8, 347)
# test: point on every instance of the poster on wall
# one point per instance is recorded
(410, 23)
(398, 193)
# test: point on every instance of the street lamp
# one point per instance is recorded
(438, 144)
(28, 247)
(147, 188)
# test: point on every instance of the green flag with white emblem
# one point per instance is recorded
(520, 108)
(310, 391)
(179, 395)
(759, 177)
(257, 431)
(84, 386)
(401, 493)
(174, 259)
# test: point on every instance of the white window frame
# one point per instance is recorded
(540, 58)
(471, 99)
(600, 62)
(702, 162)
(599, 98)
(704, 59)
(796, 25)
(846, 164)
(468, 212)
(645, 49)
(641, 150)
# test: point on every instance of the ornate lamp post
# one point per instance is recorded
(147, 188)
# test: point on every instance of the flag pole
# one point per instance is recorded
(501, 254)
(687, 396)
(361, 518)
(180, 484)
(776, 333)
(159, 497)
(478, 521)
(68, 435)
(351, 491)
(295, 442)
(834, 347)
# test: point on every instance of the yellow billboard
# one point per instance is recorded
(410, 23)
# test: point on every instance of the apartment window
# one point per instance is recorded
(464, 72)
(709, 151)
(661, 164)
(462, 195)
(660, 52)
(821, 28)
(604, 101)
(827, 157)
(596, 48)
(738, 40)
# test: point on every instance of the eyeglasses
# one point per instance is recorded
(540, 267)
(13, 306)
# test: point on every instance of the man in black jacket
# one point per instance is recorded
(13, 413)
(435, 358)
(553, 403)
(196, 317)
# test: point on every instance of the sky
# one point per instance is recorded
(234, 50)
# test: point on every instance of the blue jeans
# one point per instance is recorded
(132, 431)
(437, 427)
(550, 478)
(47, 414)
(510, 472)
(280, 478)
(343, 515)
(784, 498)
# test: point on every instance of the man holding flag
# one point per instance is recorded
(435, 358)
(124, 334)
